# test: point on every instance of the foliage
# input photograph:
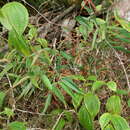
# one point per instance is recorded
(54, 77)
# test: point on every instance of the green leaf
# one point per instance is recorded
(47, 103)
(6, 69)
(112, 85)
(77, 100)
(58, 93)
(104, 120)
(60, 124)
(84, 31)
(100, 21)
(67, 89)
(16, 126)
(77, 77)
(92, 78)
(8, 112)
(124, 23)
(65, 55)
(113, 105)
(122, 92)
(17, 41)
(82, 20)
(119, 122)
(47, 82)
(43, 42)
(128, 103)
(2, 97)
(109, 127)
(68, 115)
(32, 32)
(92, 104)
(69, 83)
(85, 118)
(14, 17)
(52, 88)
(97, 84)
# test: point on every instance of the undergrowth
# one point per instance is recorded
(77, 82)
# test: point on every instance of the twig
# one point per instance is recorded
(12, 93)
(46, 27)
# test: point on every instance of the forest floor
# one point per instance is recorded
(73, 51)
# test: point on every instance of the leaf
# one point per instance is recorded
(32, 32)
(2, 97)
(8, 112)
(84, 31)
(14, 17)
(112, 85)
(100, 21)
(17, 41)
(82, 20)
(92, 78)
(77, 77)
(58, 93)
(69, 83)
(104, 120)
(52, 88)
(119, 122)
(47, 103)
(68, 115)
(47, 82)
(92, 104)
(67, 89)
(109, 127)
(43, 42)
(113, 105)
(60, 124)
(65, 55)
(85, 118)
(97, 84)
(122, 92)
(128, 103)
(6, 69)
(16, 126)
(124, 23)
(77, 100)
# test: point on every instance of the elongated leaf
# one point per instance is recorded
(47, 82)
(113, 105)
(92, 78)
(52, 88)
(67, 89)
(119, 123)
(92, 104)
(58, 93)
(60, 124)
(104, 120)
(69, 83)
(14, 16)
(2, 97)
(47, 103)
(85, 118)
(6, 69)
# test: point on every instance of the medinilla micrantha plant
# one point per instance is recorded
(122, 13)
(14, 17)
